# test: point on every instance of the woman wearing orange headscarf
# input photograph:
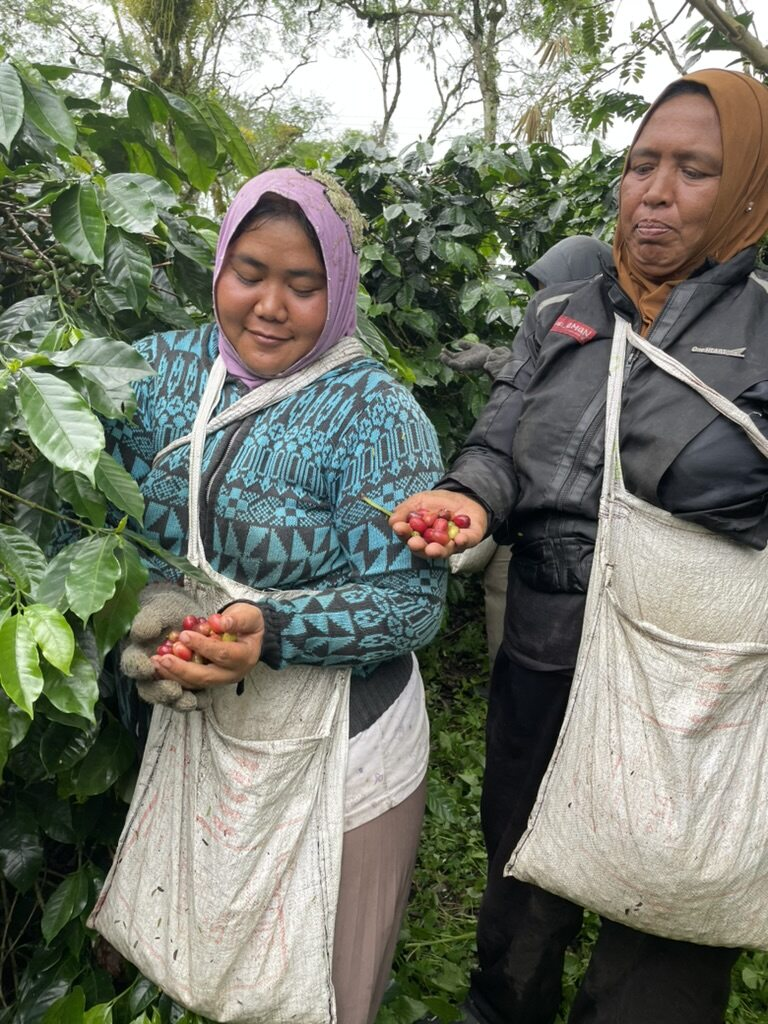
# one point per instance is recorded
(686, 299)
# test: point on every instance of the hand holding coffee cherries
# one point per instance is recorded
(216, 651)
(461, 523)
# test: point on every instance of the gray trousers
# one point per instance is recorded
(377, 864)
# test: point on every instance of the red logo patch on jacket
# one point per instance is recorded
(574, 329)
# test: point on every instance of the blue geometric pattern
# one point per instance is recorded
(282, 498)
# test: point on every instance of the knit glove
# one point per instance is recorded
(162, 607)
(473, 357)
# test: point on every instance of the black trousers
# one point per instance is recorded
(523, 931)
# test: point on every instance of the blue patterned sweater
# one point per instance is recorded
(280, 506)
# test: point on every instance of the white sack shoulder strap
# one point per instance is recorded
(676, 369)
(345, 351)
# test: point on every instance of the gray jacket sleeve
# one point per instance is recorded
(485, 468)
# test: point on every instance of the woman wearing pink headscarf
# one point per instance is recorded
(294, 423)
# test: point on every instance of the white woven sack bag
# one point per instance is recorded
(652, 811)
(225, 882)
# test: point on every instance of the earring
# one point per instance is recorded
(749, 207)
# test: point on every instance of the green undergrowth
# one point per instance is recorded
(437, 944)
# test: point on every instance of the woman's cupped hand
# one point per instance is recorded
(437, 502)
(223, 658)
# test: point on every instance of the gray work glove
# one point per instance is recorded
(474, 356)
(162, 607)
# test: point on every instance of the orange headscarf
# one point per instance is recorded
(740, 214)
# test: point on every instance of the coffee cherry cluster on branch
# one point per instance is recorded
(210, 626)
(437, 527)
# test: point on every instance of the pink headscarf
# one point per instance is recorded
(340, 259)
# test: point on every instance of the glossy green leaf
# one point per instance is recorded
(197, 134)
(111, 755)
(20, 673)
(230, 137)
(127, 203)
(67, 901)
(21, 558)
(193, 280)
(93, 574)
(87, 502)
(119, 487)
(37, 488)
(159, 193)
(179, 562)
(99, 1014)
(128, 266)
(198, 170)
(53, 635)
(67, 1010)
(25, 315)
(59, 422)
(51, 589)
(114, 620)
(11, 104)
(78, 223)
(63, 746)
(21, 853)
(5, 734)
(47, 111)
(114, 403)
(188, 241)
(105, 360)
(75, 693)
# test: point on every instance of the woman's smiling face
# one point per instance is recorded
(271, 295)
(671, 184)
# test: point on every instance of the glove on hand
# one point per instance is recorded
(475, 356)
(162, 607)
(497, 359)
(470, 358)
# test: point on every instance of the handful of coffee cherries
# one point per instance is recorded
(210, 626)
(437, 527)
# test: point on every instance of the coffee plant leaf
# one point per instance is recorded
(60, 422)
(119, 487)
(46, 109)
(24, 315)
(99, 1014)
(178, 562)
(112, 622)
(20, 674)
(11, 104)
(63, 746)
(225, 128)
(87, 502)
(196, 167)
(52, 633)
(69, 1009)
(67, 901)
(106, 360)
(77, 691)
(51, 588)
(21, 853)
(112, 402)
(79, 225)
(21, 559)
(128, 266)
(93, 575)
(112, 754)
(127, 204)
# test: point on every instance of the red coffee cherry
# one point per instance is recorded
(216, 622)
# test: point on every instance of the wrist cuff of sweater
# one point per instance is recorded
(271, 648)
